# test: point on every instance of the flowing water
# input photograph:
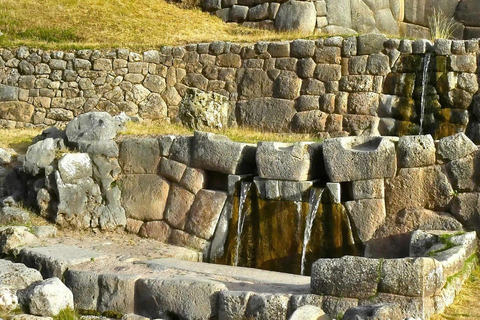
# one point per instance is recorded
(426, 63)
(244, 188)
(313, 204)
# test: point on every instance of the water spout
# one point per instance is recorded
(426, 63)
(314, 202)
(244, 188)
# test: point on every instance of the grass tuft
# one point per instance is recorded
(67, 314)
(441, 26)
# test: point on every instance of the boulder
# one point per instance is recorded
(5, 157)
(359, 158)
(17, 276)
(352, 277)
(281, 161)
(12, 239)
(9, 215)
(48, 297)
(74, 167)
(296, 15)
(8, 300)
(416, 151)
(455, 147)
(92, 126)
(218, 153)
(205, 212)
(39, 156)
(201, 110)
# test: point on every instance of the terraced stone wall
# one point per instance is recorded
(391, 17)
(331, 87)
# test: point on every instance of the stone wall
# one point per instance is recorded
(332, 87)
(391, 17)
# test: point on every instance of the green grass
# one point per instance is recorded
(139, 24)
(67, 314)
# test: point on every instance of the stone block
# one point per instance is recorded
(178, 205)
(268, 113)
(376, 311)
(414, 277)
(328, 72)
(184, 239)
(219, 153)
(365, 103)
(296, 15)
(302, 48)
(287, 86)
(253, 83)
(464, 173)
(426, 187)
(75, 166)
(370, 43)
(183, 297)
(39, 156)
(47, 298)
(172, 170)
(144, 196)
(359, 158)
(232, 304)
(367, 215)
(158, 230)
(312, 121)
(351, 277)
(267, 306)
(339, 13)
(116, 294)
(287, 161)
(84, 286)
(205, 212)
(455, 147)
(282, 189)
(368, 189)
(327, 55)
(16, 111)
(416, 151)
(180, 149)
(258, 12)
(462, 63)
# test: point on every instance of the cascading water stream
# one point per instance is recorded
(426, 63)
(244, 188)
(313, 203)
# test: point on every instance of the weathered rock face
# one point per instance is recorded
(39, 156)
(91, 127)
(201, 110)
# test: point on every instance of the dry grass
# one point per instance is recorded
(441, 26)
(17, 139)
(239, 134)
(139, 24)
(467, 303)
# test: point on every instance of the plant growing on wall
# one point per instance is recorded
(441, 26)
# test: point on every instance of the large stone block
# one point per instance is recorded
(368, 189)
(296, 15)
(179, 202)
(92, 126)
(144, 196)
(232, 304)
(253, 83)
(339, 13)
(370, 43)
(269, 113)
(172, 170)
(283, 161)
(158, 230)
(184, 298)
(367, 215)
(465, 207)
(465, 173)
(359, 158)
(352, 277)
(427, 187)
(205, 212)
(139, 156)
(414, 277)
(467, 12)
(416, 151)
(84, 286)
(116, 294)
(267, 306)
(218, 153)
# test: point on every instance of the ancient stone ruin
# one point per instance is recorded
(357, 226)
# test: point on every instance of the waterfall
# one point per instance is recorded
(298, 204)
(313, 203)
(426, 63)
(244, 188)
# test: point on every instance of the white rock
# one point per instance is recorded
(49, 297)
(8, 299)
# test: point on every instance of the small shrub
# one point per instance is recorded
(67, 314)
(441, 26)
